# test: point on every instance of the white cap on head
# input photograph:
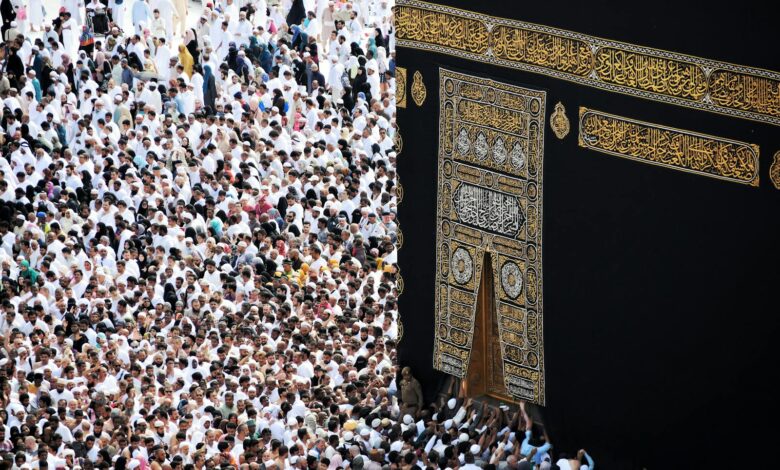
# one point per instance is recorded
(451, 403)
(474, 449)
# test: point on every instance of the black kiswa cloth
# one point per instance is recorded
(659, 285)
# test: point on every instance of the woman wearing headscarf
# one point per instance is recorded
(297, 13)
(355, 50)
(102, 66)
(14, 65)
(69, 70)
(86, 40)
(372, 44)
(135, 62)
(88, 63)
(209, 88)
(28, 273)
(381, 62)
(266, 58)
(299, 38)
(169, 294)
(186, 60)
(234, 62)
(254, 50)
(191, 42)
(360, 83)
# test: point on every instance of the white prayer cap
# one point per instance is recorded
(475, 449)
(408, 419)
(448, 424)
(463, 437)
(451, 403)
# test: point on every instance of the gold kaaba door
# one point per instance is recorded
(486, 372)
(489, 200)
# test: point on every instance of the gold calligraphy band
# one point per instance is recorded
(668, 77)
(678, 149)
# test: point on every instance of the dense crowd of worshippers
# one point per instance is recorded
(199, 246)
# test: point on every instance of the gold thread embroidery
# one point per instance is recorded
(418, 89)
(678, 149)
(431, 26)
(400, 87)
(650, 73)
(559, 121)
(683, 80)
(542, 49)
(774, 170)
(489, 199)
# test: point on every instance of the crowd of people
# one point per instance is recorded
(199, 246)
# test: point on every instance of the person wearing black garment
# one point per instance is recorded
(9, 14)
(14, 66)
(297, 13)
(209, 88)
(192, 44)
(361, 84)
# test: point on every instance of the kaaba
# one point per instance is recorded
(590, 197)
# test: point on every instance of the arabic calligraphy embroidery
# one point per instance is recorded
(559, 121)
(725, 159)
(418, 88)
(682, 80)
(489, 198)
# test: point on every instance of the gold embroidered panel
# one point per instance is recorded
(489, 199)
(418, 89)
(678, 149)
(400, 87)
(683, 80)
(774, 170)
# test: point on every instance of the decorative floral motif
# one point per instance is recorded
(511, 280)
(400, 87)
(463, 142)
(462, 265)
(481, 148)
(517, 157)
(418, 89)
(559, 121)
(499, 151)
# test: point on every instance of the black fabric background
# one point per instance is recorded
(660, 287)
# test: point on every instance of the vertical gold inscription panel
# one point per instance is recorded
(489, 198)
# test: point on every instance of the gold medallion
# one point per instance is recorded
(418, 89)
(774, 170)
(400, 87)
(559, 121)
